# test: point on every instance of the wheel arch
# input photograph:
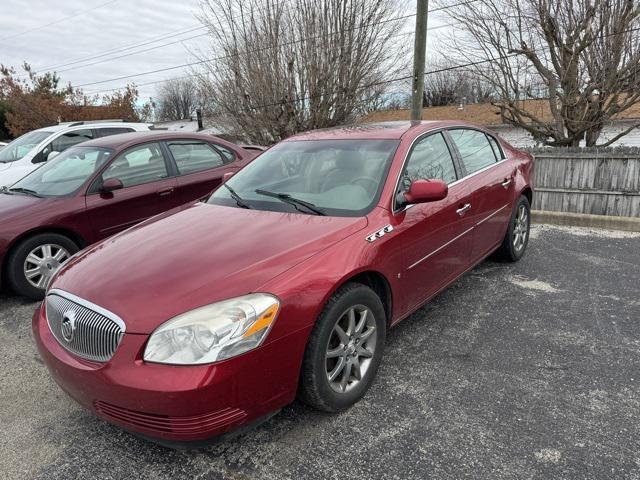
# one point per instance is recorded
(373, 279)
(72, 235)
(528, 192)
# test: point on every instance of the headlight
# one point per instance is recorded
(214, 332)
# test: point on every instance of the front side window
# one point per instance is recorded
(336, 177)
(66, 173)
(138, 165)
(430, 159)
(69, 139)
(475, 151)
(194, 156)
(22, 145)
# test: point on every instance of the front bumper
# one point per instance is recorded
(176, 403)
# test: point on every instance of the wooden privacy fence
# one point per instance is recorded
(596, 182)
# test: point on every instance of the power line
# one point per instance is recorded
(125, 48)
(60, 20)
(469, 64)
(224, 57)
(200, 62)
(104, 53)
(132, 53)
(196, 74)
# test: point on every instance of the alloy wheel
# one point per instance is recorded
(521, 228)
(351, 346)
(42, 262)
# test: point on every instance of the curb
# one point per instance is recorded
(629, 224)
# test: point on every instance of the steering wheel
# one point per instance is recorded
(372, 182)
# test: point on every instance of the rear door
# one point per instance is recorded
(200, 166)
(150, 188)
(437, 235)
(490, 178)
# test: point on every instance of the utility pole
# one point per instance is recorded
(419, 53)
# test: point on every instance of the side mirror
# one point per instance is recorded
(227, 176)
(423, 191)
(52, 155)
(111, 184)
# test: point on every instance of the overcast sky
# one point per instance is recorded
(50, 34)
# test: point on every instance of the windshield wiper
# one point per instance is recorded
(26, 191)
(239, 200)
(296, 202)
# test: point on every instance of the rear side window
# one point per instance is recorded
(141, 164)
(496, 148)
(105, 132)
(474, 147)
(430, 159)
(228, 154)
(194, 156)
(70, 139)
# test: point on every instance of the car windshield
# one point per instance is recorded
(21, 146)
(332, 177)
(64, 174)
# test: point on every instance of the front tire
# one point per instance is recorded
(344, 350)
(33, 262)
(516, 239)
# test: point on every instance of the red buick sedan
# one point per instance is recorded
(285, 282)
(101, 187)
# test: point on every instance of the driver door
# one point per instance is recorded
(437, 235)
(149, 189)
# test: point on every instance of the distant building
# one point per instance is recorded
(488, 115)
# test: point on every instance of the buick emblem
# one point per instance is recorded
(68, 325)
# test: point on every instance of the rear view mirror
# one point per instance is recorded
(423, 191)
(111, 184)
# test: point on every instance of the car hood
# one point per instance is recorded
(11, 172)
(202, 254)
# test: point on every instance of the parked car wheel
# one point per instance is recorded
(516, 239)
(344, 350)
(33, 262)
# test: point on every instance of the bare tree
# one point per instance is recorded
(447, 85)
(285, 67)
(583, 55)
(177, 99)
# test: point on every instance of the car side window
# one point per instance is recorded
(194, 156)
(105, 132)
(138, 165)
(430, 158)
(474, 147)
(496, 148)
(228, 154)
(69, 139)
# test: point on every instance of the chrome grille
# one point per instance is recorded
(84, 329)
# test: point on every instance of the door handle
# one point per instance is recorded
(165, 192)
(507, 182)
(462, 210)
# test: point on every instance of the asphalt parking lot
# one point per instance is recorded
(520, 371)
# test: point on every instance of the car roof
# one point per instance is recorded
(82, 126)
(379, 130)
(124, 140)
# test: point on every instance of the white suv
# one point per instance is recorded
(29, 151)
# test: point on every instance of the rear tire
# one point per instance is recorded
(31, 264)
(345, 346)
(516, 239)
